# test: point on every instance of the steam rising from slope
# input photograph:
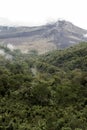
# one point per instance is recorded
(10, 46)
(2, 52)
(6, 54)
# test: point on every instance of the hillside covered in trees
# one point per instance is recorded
(46, 92)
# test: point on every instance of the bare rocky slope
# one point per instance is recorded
(57, 35)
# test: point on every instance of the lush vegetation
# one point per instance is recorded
(47, 92)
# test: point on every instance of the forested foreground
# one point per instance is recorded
(47, 92)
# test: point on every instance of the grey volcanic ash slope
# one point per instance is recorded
(45, 38)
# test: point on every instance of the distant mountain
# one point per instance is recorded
(57, 35)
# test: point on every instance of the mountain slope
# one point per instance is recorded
(60, 34)
(68, 59)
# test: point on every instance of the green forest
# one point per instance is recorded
(44, 92)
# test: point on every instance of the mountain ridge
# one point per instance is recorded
(52, 36)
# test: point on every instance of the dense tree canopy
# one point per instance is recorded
(46, 92)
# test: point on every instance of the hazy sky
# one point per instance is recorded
(37, 12)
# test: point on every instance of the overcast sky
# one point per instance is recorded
(38, 12)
